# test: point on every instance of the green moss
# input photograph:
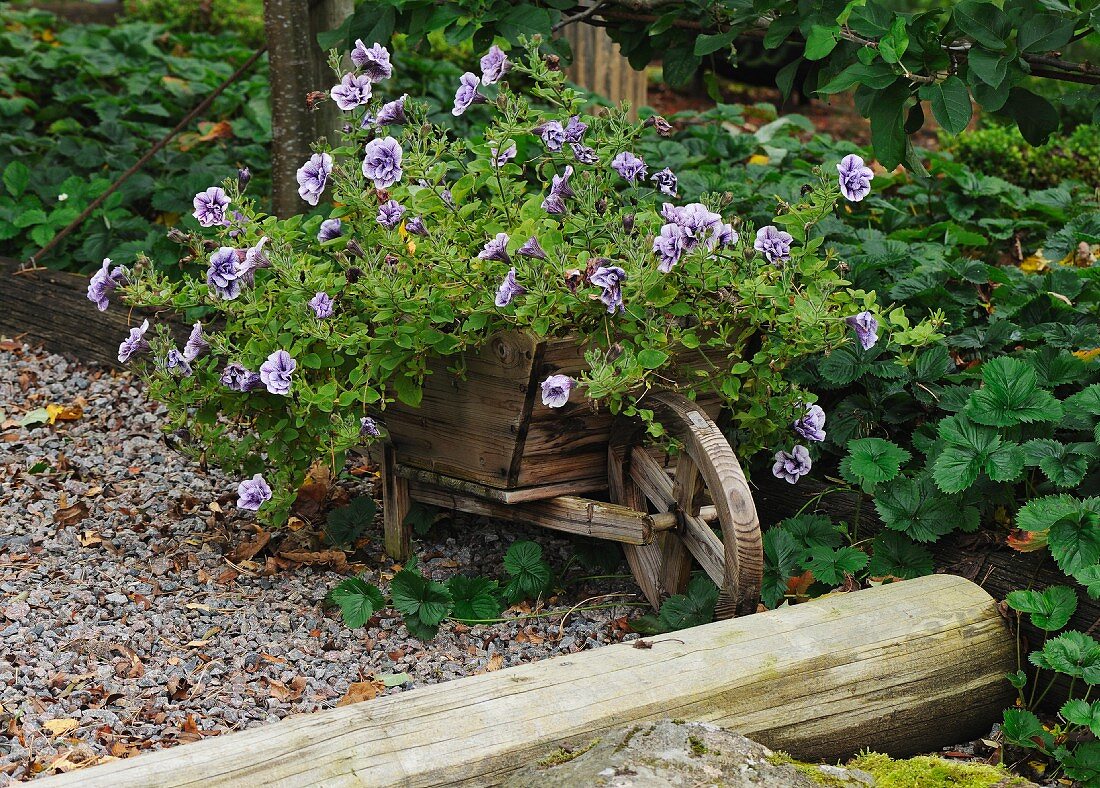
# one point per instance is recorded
(627, 738)
(930, 772)
(697, 746)
(563, 755)
(808, 769)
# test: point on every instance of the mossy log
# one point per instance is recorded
(903, 668)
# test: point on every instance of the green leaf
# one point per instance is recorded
(678, 66)
(474, 598)
(893, 45)
(812, 530)
(394, 679)
(419, 598)
(1063, 466)
(1075, 539)
(1011, 395)
(358, 600)
(984, 22)
(782, 560)
(1089, 577)
(877, 75)
(932, 364)
(844, 365)
(1082, 763)
(1005, 463)
(17, 176)
(348, 523)
(1050, 609)
(408, 390)
(820, 42)
(894, 555)
(1081, 712)
(779, 30)
(1073, 653)
(874, 460)
(832, 566)
(1036, 117)
(530, 573)
(887, 123)
(692, 609)
(950, 103)
(706, 44)
(916, 508)
(651, 358)
(990, 67)
(422, 516)
(1022, 728)
(1044, 32)
(36, 416)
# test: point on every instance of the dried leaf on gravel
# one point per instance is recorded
(72, 412)
(36, 416)
(59, 727)
(336, 558)
(360, 691)
(287, 692)
(71, 515)
(246, 551)
(496, 662)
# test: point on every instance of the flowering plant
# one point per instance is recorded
(547, 222)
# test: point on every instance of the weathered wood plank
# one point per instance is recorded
(518, 495)
(397, 534)
(904, 668)
(599, 67)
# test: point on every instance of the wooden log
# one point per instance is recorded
(51, 309)
(565, 513)
(397, 534)
(518, 495)
(903, 668)
(599, 67)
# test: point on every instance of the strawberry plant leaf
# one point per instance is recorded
(530, 573)
(812, 530)
(1022, 728)
(831, 566)
(474, 598)
(1011, 395)
(874, 460)
(895, 555)
(1082, 763)
(692, 608)
(916, 508)
(783, 559)
(1073, 653)
(348, 523)
(358, 600)
(1050, 609)
(419, 599)
(1089, 577)
(1075, 538)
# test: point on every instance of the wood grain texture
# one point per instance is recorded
(397, 534)
(599, 67)
(904, 668)
(517, 495)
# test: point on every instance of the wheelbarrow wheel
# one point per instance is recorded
(706, 488)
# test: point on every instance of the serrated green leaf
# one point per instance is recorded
(691, 609)
(1074, 539)
(1089, 577)
(832, 566)
(1073, 653)
(417, 597)
(530, 573)
(1005, 463)
(783, 559)
(932, 364)
(358, 600)
(895, 555)
(1082, 763)
(1050, 609)
(474, 598)
(874, 460)
(812, 530)
(1022, 728)
(916, 508)
(1011, 395)
(348, 523)
(17, 176)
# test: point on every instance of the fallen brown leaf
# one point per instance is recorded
(71, 515)
(360, 691)
(337, 558)
(246, 551)
(496, 662)
(59, 727)
(64, 412)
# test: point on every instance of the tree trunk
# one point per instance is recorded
(325, 15)
(599, 68)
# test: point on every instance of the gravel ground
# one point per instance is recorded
(127, 628)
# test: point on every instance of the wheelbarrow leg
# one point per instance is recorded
(395, 508)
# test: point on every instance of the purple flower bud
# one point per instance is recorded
(509, 289)
(584, 154)
(237, 226)
(177, 364)
(792, 466)
(496, 249)
(243, 177)
(322, 305)
(499, 158)
(866, 328)
(196, 344)
(253, 493)
(445, 195)
(210, 207)
(415, 226)
(531, 248)
(629, 166)
(467, 94)
(556, 389)
(610, 279)
(773, 243)
(628, 223)
(669, 246)
(855, 177)
(811, 425)
(559, 189)
(135, 343)
(236, 377)
(494, 65)
(382, 162)
(574, 130)
(330, 228)
(374, 60)
(392, 113)
(552, 133)
(390, 213)
(103, 283)
(313, 177)
(553, 204)
(353, 91)
(276, 371)
(368, 428)
(223, 275)
(666, 181)
(355, 250)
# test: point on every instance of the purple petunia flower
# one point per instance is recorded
(103, 283)
(559, 189)
(499, 158)
(390, 213)
(276, 371)
(244, 175)
(196, 344)
(353, 91)
(669, 246)
(392, 113)
(610, 279)
(415, 226)
(629, 166)
(374, 60)
(251, 260)
(556, 389)
(177, 364)
(467, 94)
(773, 243)
(584, 154)
(725, 235)
(793, 465)
(698, 223)
(531, 248)
(322, 305)
(494, 65)
(223, 275)
(552, 133)
(866, 328)
(509, 289)
(855, 177)
(811, 425)
(237, 377)
(382, 163)
(330, 228)
(253, 493)
(313, 177)
(574, 130)
(368, 428)
(496, 249)
(135, 343)
(210, 207)
(666, 181)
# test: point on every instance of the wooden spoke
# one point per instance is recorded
(707, 487)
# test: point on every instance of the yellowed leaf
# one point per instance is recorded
(496, 662)
(360, 691)
(758, 158)
(1087, 355)
(64, 412)
(1034, 263)
(60, 727)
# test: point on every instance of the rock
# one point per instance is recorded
(685, 754)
